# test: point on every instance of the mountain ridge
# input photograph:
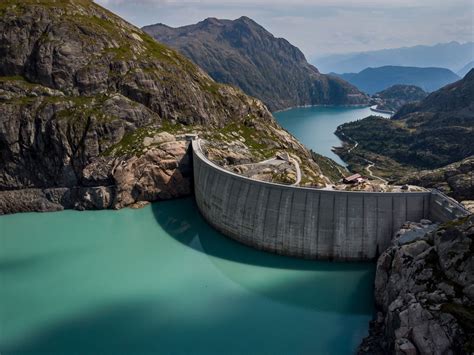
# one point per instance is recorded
(244, 54)
(452, 55)
(373, 80)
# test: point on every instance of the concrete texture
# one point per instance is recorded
(306, 222)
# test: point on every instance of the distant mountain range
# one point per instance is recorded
(373, 80)
(242, 53)
(452, 55)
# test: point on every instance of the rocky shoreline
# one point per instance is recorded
(424, 291)
(163, 172)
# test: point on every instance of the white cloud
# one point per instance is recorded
(347, 3)
(321, 26)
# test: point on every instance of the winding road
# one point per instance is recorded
(298, 171)
(370, 165)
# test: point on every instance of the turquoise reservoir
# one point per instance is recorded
(160, 280)
(315, 126)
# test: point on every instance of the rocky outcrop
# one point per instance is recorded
(239, 146)
(424, 291)
(161, 172)
(455, 180)
(242, 53)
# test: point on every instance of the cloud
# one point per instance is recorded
(121, 2)
(346, 3)
(320, 27)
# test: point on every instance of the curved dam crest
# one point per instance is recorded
(307, 222)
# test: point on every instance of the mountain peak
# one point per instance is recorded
(211, 21)
(242, 53)
(247, 20)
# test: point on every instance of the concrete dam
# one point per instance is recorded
(307, 222)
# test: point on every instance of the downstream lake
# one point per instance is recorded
(160, 280)
(315, 126)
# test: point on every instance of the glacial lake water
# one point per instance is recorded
(315, 126)
(160, 280)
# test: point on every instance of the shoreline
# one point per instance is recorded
(320, 105)
(341, 142)
(375, 109)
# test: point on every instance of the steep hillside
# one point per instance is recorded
(452, 55)
(427, 135)
(372, 80)
(393, 98)
(244, 54)
(92, 111)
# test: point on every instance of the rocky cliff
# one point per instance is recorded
(93, 110)
(424, 291)
(242, 53)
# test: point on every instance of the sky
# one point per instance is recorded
(321, 27)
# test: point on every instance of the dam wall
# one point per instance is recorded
(444, 208)
(303, 222)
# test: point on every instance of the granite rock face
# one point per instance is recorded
(242, 53)
(455, 180)
(163, 172)
(424, 291)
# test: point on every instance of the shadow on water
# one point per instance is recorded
(31, 261)
(142, 327)
(146, 326)
(184, 223)
(325, 313)
(315, 285)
